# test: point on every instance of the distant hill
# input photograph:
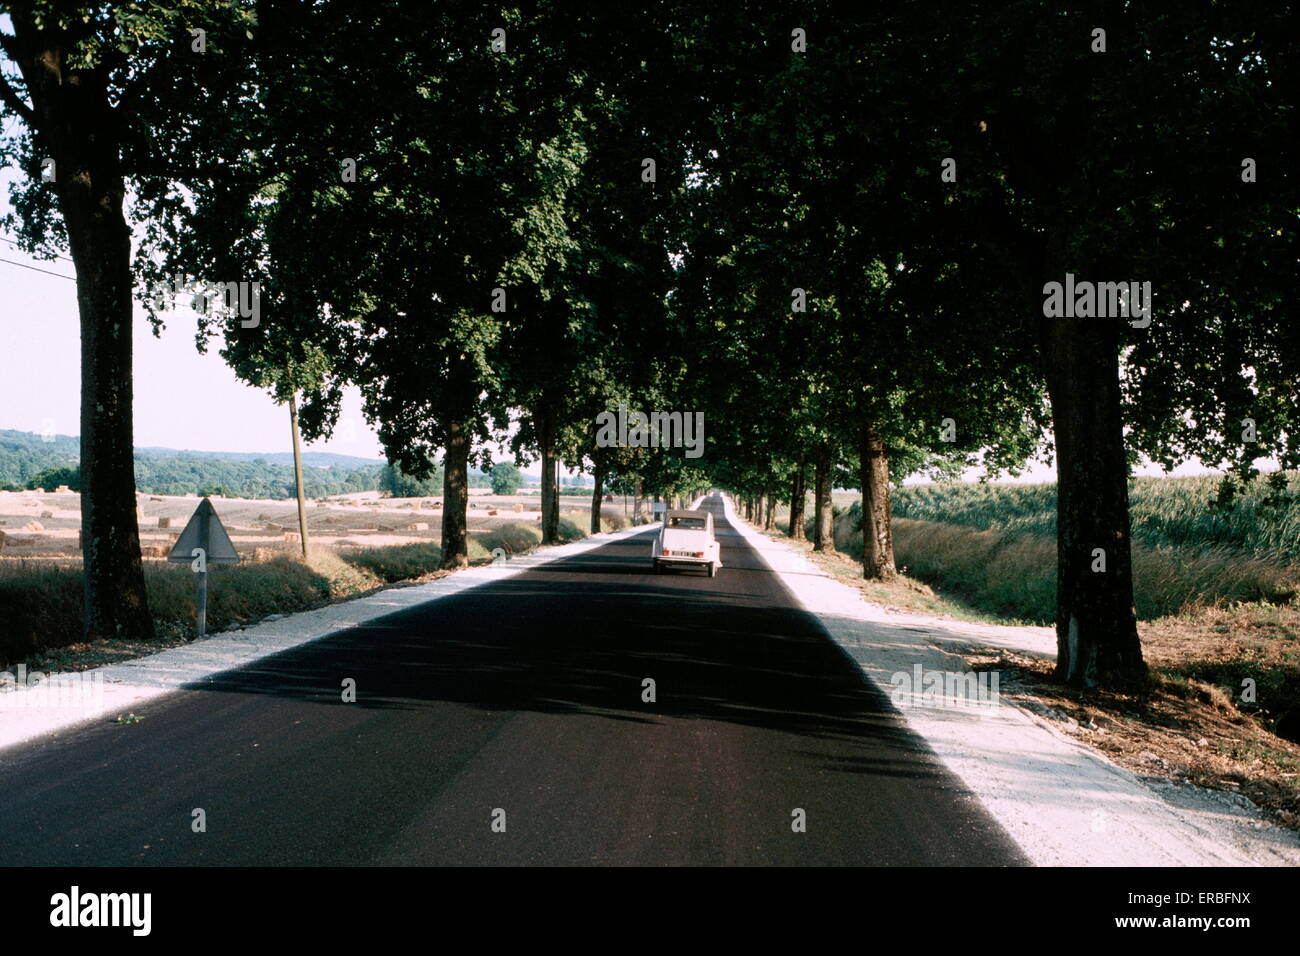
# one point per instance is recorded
(24, 454)
(26, 457)
(316, 459)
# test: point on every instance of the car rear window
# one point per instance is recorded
(697, 523)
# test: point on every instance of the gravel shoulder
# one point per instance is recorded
(1062, 801)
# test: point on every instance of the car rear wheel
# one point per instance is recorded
(713, 569)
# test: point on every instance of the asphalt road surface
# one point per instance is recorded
(522, 696)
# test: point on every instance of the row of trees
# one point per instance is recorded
(828, 230)
(979, 158)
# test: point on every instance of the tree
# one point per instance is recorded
(52, 478)
(1069, 173)
(506, 478)
(87, 74)
(813, 256)
(398, 484)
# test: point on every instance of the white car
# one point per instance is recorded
(686, 540)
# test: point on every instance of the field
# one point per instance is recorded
(40, 525)
(1165, 512)
(993, 546)
(357, 542)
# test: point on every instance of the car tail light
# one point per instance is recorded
(665, 552)
(699, 554)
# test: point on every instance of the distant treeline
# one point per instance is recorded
(30, 461)
(185, 474)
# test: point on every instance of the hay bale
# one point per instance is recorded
(517, 508)
(33, 526)
(418, 526)
(164, 522)
(47, 514)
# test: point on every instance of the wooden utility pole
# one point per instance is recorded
(297, 473)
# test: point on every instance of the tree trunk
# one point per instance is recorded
(76, 127)
(1096, 625)
(597, 494)
(797, 494)
(877, 534)
(297, 474)
(637, 503)
(550, 491)
(824, 525)
(769, 518)
(455, 498)
(555, 498)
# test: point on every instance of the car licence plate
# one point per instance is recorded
(683, 554)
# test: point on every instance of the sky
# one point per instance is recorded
(182, 399)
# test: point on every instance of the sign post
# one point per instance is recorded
(204, 541)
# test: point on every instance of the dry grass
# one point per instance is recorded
(1014, 575)
(1263, 518)
(903, 593)
(41, 602)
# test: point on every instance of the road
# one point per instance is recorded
(523, 696)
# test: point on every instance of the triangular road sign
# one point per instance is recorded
(204, 531)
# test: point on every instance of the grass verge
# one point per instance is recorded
(41, 603)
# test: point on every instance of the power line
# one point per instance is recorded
(23, 265)
(10, 239)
